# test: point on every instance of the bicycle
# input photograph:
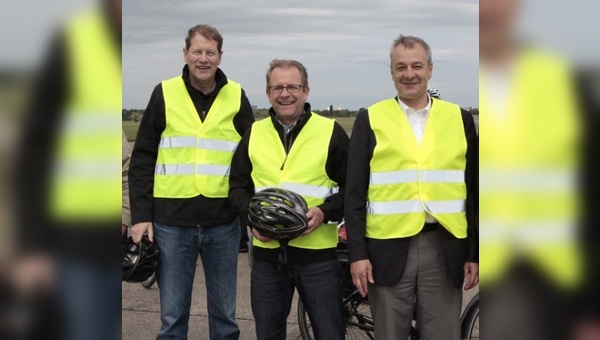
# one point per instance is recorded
(358, 321)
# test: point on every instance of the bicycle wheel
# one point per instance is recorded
(358, 322)
(469, 322)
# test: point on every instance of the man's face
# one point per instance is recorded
(496, 21)
(287, 105)
(202, 58)
(411, 71)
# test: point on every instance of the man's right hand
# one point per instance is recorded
(362, 275)
(138, 230)
(259, 236)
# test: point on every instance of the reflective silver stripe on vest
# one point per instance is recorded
(175, 169)
(191, 169)
(445, 207)
(200, 143)
(415, 206)
(213, 170)
(443, 176)
(408, 176)
(90, 122)
(177, 142)
(528, 232)
(216, 144)
(394, 177)
(306, 190)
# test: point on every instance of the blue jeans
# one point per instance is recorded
(319, 286)
(179, 248)
(91, 298)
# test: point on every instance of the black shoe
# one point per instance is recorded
(243, 248)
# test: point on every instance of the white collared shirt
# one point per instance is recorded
(417, 120)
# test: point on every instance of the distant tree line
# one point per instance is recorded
(135, 115)
(262, 113)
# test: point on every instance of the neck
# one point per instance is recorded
(204, 87)
(499, 54)
(416, 104)
(288, 122)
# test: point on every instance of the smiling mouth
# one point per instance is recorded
(203, 68)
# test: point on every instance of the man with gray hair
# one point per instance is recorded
(411, 202)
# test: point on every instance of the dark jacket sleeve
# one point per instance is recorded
(357, 184)
(472, 183)
(35, 153)
(245, 117)
(333, 207)
(241, 186)
(143, 158)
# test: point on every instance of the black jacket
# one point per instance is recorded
(37, 230)
(185, 212)
(242, 187)
(388, 257)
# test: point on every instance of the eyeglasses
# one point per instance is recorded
(289, 88)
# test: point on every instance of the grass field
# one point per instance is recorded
(131, 127)
(345, 122)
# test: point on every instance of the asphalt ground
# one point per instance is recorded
(141, 308)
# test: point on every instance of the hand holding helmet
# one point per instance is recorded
(139, 260)
(278, 214)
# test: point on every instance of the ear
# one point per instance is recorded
(184, 53)
(430, 70)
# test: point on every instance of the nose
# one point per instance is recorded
(203, 58)
(409, 73)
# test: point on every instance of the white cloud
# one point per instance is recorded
(344, 45)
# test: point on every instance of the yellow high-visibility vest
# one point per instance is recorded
(529, 153)
(194, 157)
(85, 183)
(301, 171)
(409, 180)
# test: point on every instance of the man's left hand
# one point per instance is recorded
(471, 274)
(315, 218)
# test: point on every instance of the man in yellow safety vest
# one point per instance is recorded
(411, 202)
(301, 151)
(179, 181)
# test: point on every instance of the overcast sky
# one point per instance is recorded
(343, 44)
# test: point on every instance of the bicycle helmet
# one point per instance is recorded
(277, 213)
(139, 260)
(434, 92)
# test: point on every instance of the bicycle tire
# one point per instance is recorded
(469, 321)
(358, 322)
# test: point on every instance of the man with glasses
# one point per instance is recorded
(179, 184)
(305, 153)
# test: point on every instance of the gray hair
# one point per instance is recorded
(409, 42)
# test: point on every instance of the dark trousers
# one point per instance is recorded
(319, 287)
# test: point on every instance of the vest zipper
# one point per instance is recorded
(287, 145)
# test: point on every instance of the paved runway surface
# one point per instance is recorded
(141, 318)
